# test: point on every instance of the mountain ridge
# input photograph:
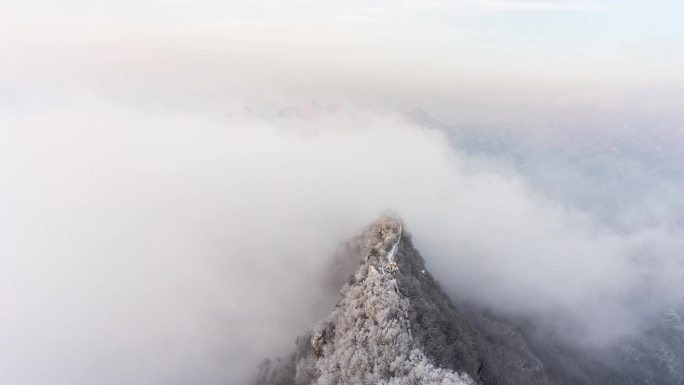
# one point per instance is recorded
(395, 325)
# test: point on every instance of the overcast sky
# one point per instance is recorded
(512, 54)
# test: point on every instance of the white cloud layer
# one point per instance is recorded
(157, 247)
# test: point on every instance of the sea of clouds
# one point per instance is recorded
(175, 180)
(173, 246)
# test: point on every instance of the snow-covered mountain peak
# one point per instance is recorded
(393, 324)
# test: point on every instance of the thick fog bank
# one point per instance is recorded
(164, 246)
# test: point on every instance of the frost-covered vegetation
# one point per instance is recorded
(370, 337)
(397, 327)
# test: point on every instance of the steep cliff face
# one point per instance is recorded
(394, 325)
